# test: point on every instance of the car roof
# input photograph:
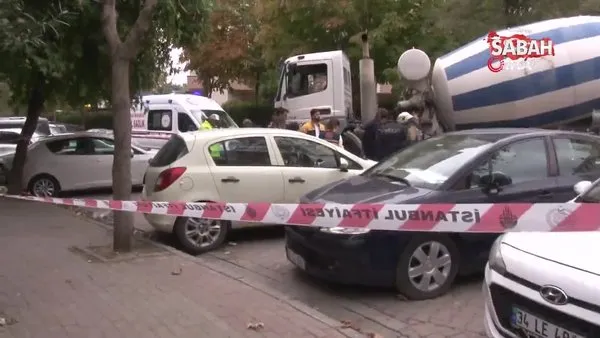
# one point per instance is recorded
(518, 132)
(226, 132)
(75, 135)
(11, 130)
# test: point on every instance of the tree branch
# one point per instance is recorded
(109, 25)
(140, 27)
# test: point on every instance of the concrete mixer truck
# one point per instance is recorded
(461, 91)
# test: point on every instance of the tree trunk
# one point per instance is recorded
(35, 106)
(121, 170)
(121, 55)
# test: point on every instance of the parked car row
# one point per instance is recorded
(74, 161)
(523, 295)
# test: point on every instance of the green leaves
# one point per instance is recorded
(64, 41)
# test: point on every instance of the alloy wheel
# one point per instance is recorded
(429, 266)
(43, 187)
(202, 232)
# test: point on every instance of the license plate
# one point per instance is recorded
(536, 327)
(296, 259)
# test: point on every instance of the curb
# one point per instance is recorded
(230, 273)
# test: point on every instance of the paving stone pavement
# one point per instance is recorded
(459, 314)
(259, 255)
(49, 290)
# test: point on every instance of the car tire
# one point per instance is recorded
(189, 241)
(43, 182)
(421, 286)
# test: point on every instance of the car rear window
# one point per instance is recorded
(173, 150)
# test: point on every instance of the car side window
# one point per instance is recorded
(103, 146)
(297, 152)
(185, 123)
(9, 138)
(516, 163)
(239, 152)
(160, 120)
(577, 156)
(80, 146)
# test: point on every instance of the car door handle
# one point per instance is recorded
(296, 180)
(230, 179)
(545, 194)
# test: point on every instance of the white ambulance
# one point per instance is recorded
(162, 115)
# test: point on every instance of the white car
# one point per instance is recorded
(12, 135)
(75, 161)
(239, 165)
(545, 284)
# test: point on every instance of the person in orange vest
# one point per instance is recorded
(331, 133)
(313, 127)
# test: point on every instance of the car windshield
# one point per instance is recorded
(225, 120)
(429, 163)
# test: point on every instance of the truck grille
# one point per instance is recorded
(504, 299)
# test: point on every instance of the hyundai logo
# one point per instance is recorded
(554, 295)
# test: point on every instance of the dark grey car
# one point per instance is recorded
(474, 166)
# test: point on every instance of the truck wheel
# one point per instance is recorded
(427, 267)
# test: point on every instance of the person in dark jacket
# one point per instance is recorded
(247, 123)
(292, 126)
(370, 134)
(390, 136)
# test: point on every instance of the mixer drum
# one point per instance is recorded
(541, 92)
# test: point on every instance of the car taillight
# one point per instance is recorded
(168, 177)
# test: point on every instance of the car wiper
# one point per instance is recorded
(394, 178)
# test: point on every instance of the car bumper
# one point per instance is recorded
(492, 325)
(342, 260)
(162, 223)
(501, 293)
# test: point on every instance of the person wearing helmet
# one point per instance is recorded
(413, 133)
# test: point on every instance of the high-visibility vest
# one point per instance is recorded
(206, 125)
(216, 150)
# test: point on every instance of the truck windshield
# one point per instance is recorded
(429, 163)
(225, 120)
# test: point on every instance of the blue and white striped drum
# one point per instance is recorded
(559, 88)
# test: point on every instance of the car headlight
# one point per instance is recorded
(495, 260)
(346, 231)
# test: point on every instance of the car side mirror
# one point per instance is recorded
(343, 165)
(581, 187)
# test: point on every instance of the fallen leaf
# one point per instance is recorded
(177, 272)
(227, 252)
(255, 326)
(2, 321)
(346, 324)
(232, 243)
(374, 335)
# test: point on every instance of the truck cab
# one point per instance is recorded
(176, 113)
(315, 81)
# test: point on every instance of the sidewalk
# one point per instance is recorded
(50, 287)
